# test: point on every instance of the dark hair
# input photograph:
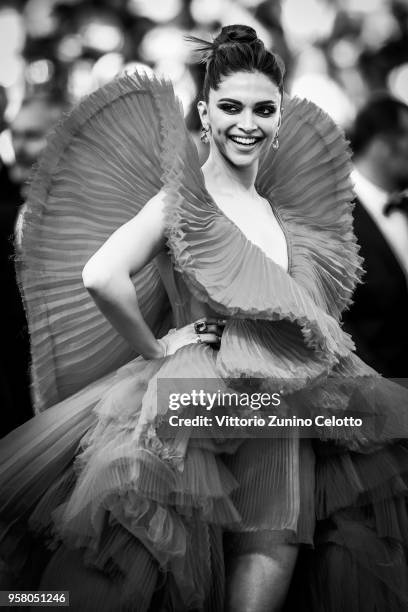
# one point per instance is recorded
(237, 48)
(381, 116)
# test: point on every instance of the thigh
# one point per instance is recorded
(259, 582)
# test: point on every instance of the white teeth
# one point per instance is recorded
(243, 140)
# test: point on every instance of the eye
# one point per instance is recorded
(265, 111)
(229, 108)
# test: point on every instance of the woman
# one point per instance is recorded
(266, 289)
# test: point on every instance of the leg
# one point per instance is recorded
(257, 582)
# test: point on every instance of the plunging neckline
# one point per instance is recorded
(281, 224)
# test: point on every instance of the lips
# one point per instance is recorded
(245, 141)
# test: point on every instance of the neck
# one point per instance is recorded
(374, 174)
(221, 176)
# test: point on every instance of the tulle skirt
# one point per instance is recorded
(152, 515)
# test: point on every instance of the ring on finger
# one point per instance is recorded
(198, 339)
(200, 326)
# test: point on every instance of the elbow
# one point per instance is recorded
(102, 279)
(95, 280)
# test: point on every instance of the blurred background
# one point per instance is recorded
(336, 51)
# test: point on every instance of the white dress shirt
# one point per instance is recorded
(394, 227)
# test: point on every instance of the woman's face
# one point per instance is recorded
(243, 115)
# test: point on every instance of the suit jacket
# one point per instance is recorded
(378, 318)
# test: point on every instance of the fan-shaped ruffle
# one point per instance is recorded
(99, 169)
(313, 194)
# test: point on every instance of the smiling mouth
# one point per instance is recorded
(246, 141)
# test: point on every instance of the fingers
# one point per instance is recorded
(213, 328)
(206, 331)
(214, 321)
(209, 330)
(210, 338)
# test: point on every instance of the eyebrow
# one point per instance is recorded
(238, 102)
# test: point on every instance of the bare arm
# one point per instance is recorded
(107, 275)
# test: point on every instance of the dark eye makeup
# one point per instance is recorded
(263, 109)
(229, 108)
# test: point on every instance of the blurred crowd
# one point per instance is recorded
(338, 53)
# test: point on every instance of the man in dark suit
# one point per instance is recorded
(378, 319)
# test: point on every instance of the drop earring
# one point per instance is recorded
(205, 130)
(275, 142)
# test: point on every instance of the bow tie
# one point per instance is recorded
(397, 201)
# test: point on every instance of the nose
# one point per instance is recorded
(246, 121)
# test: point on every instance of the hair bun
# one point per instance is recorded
(237, 48)
(234, 34)
(228, 37)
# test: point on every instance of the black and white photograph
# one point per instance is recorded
(204, 280)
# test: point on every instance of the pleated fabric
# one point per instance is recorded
(146, 512)
(100, 167)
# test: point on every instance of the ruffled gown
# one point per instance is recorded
(154, 517)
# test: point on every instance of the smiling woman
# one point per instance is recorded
(245, 110)
(252, 94)
(255, 259)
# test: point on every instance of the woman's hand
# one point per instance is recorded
(208, 331)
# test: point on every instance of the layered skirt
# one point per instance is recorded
(149, 515)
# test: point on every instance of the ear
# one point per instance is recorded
(203, 112)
